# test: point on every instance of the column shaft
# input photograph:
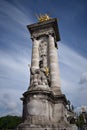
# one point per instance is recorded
(53, 64)
(35, 55)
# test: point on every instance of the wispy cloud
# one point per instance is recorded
(83, 78)
(14, 57)
(72, 65)
(9, 104)
(11, 12)
(14, 80)
(14, 66)
(71, 58)
(13, 30)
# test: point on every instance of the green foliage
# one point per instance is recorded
(80, 121)
(9, 122)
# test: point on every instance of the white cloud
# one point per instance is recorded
(83, 78)
(14, 80)
(14, 71)
(9, 102)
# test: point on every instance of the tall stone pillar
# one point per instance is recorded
(44, 105)
(53, 66)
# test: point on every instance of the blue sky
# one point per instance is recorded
(15, 49)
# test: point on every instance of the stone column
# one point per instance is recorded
(35, 54)
(53, 66)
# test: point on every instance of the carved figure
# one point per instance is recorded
(33, 78)
(41, 76)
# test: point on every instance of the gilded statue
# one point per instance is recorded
(43, 18)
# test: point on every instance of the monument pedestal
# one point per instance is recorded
(43, 110)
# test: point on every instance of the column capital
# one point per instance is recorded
(34, 38)
(51, 34)
(42, 32)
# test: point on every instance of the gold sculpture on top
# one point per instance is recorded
(43, 18)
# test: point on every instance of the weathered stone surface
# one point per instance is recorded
(44, 109)
(44, 105)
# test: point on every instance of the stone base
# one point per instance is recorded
(26, 126)
(42, 110)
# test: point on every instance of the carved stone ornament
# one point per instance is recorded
(40, 33)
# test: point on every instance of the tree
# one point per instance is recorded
(80, 121)
(9, 122)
